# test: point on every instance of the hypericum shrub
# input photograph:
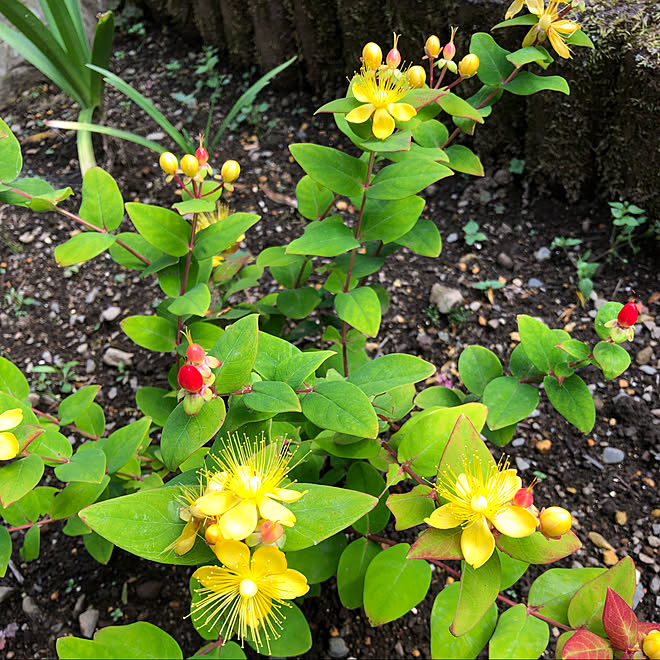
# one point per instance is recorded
(271, 468)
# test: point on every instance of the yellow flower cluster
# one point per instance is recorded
(8, 443)
(205, 220)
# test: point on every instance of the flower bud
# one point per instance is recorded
(432, 47)
(555, 521)
(651, 645)
(628, 315)
(189, 165)
(168, 162)
(393, 58)
(230, 171)
(372, 56)
(195, 353)
(449, 50)
(468, 66)
(416, 76)
(202, 155)
(213, 534)
(523, 498)
(190, 378)
(271, 531)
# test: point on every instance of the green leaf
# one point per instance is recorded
(363, 448)
(153, 403)
(405, 583)
(519, 635)
(98, 547)
(124, 443)
(194, 206)
(439, 396)
(152, 332)
(360, 308)
(102, 205)
(313, 198)
(479, 589)
(87, 464)
(136, 242)
(221, 235)
(526, 83)
(237, 350)
(465, 160)
(431, 134)
(31, 544)
(552, 591)
(12, 379)
(586, 607)
(11, 161)
(19, 477)
(342, 105)
(612, 359)
(340, 406)
(508, 401)
(477, 366)
(272, 397)
(530, 54)
(573, 400)
(295, 369)
(322, 512)
(341, 173)
(443, 642)
(494, 68)
(145, 523)
(389, 220)
(82, 247)
(295, 637)
(135, 641)
(298, 303)
(324, 238)
(401, 180)
(164, 229)
(411, 508)
(183, 435)
(92, 421)
(399, 141)
(389, 371)
(195, 301)
(353, 564)
(540, 343)
(75, 496)
(76, 404)
(366, 479)
(424, 238)
(607, 312)
(438, 544)
(5, 549)
(318, 563)
(538, 549)
(457, 107)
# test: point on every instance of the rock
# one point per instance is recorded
(26, 238)
(534, 283)
(398, 648)
(610, 558)
(338, 648)
(518, 442)
(34, 399)
(475, 306)
(542, 254)
(452, 238)
(505, 261)
(112, 393)
(543, 446)
(621, 517)
(6, 592)
(445, 298)
(612, 455)
(654, 541)
(149, 590)
(80, 602)
(644, 356)
(645, 558)
(522, 463)
(113, 357)
(31, 608)
(648, 370)
(599, 541)
(655, 584)
(87, 622)
(639, 594)
(503, 177)
(111, 313)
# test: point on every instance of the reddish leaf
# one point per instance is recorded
(538, 549)
(585, 645)
(619, 621)
(438, 544)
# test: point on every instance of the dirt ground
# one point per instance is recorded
(54, 316)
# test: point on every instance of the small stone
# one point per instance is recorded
(113, 357)
(542, 254)
(505, 261)
(644, 356)
(87, 622)
(654, 541)
(398, 647)
(645, 558)
(655, 513)
(610, 558)
(621, 517)
(475, 306)
(112, 393)
(149, 590)
(648, 482)
(26, 238)
(30, 607)
(338, 648)
(80, 603)
(5, 593)
(612, 455)
(599, 541)
(445, 298)
(534, 283)
(648, 370)
(111, 313)
(655, 584)
(90, 366)
(452, 238)
(543, 446)
(639, 594)
(522, 463)
(34, 399)
(518, 442)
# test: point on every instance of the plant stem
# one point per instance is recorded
(73, 426)
(191, 245)
(45, 521)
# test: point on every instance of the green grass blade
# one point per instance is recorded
(77, 49)
(52, 24)
(101, 51)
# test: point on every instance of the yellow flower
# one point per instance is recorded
(380, 95)
(477, 501)
(550, 26)
(247, 593)
(517, 5)
(246, 488)
(205, 220)
(8, 443)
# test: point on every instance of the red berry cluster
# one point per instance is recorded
(628, 315)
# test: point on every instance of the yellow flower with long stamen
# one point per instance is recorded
(247, 593)
(475, 502)
(380, 94)
(9, 447)
(551, 26)
(517, 5)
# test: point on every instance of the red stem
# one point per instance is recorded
(45, 521)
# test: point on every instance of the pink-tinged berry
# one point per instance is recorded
(190, 378)
(628, 315)
(523, 498)
(449, 50)
(372, 56)
(195, 353)
(393, 58)
(469, 65)
(555, 521)
(202, 155)
(271, 531)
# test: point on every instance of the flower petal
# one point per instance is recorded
(511, 482)
(535, 6)
(514, 8)
(288, 495)
(360, 114)
(361, 89)
(275, 512)
(530, 37)
(477, 543)
(444, 518)
(10, 419)
(216, 503)
(558, 44)
(234, 555)
(514, 521)
(402, 111)
(239, 522)
(383, 124)
(288, 585)
(8, 446)
(268, 560)
(565, 27)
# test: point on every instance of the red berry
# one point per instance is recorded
(189, 378)
(195, 353)
(523, 498)
(628, 315)
(202, 155)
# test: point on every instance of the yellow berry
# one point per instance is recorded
(432, 46)
(652, 645)
(469, 65)
(189, 165)
(213, 534)
(416, 76)
(372, 55)
(230, 171)
(555, 521)
(168, 162)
